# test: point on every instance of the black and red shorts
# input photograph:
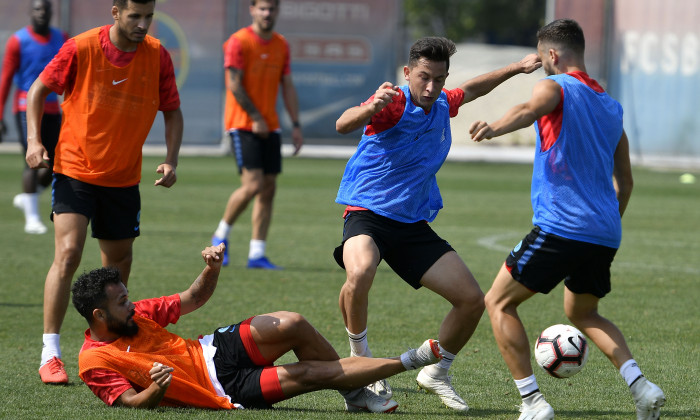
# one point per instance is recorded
(243, 372)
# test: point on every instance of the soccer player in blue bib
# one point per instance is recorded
(27, 52)
(391, 194)
(581, 184)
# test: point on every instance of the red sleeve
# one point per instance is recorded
(163, 310)
(455, 97)
(59, 74)
(169, 96)
(106, 384)
(387, 117)
(232, 54)
(10, 64)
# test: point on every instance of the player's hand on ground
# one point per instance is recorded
(169, 176)
(161, 375)
(37, 156)
(384, 96)
(530, 63)
(214, 255)
(480, 130)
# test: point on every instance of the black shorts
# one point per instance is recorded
(541, 261)
(410, 249)
(50, 129)
(253, 152)
(245, 375)
(114, 213)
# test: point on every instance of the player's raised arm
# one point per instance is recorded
(358, 116)
(485, 83)
(545, 97)
(203, 287)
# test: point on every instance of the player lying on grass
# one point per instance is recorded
(130, 359)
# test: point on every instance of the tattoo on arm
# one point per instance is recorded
(203, 288)
(236, 78)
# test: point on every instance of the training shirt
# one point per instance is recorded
(572, 194)
(111, 98)
(26, 55)
(111, 368)
(392, 172)
(264, 63)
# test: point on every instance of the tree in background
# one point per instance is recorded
(510, 22)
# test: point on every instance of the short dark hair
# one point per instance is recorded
(121, 4)
(89, 290)
(432, 48)
(253, 2)
(566, 33)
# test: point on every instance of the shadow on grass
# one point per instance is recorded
(586, 414)
(70, 384)
(291, 269)
(20, 305)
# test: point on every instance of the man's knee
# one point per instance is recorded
(475, 301)
(68, 257)
(466, 294)
(492, 302)
(293, 323)
(359, 280)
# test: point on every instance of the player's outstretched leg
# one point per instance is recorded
(367, 399)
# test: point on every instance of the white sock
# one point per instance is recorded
(222, 230)
(257, 249)
(51, 348)
(527, 386)
(358, 344)
(447, 359)
(630, 371)
(31, 206)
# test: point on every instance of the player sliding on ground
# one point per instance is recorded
(130, 359)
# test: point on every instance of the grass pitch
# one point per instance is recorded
(487, 211)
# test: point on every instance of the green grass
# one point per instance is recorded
(487, 210)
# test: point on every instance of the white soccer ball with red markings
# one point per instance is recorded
(561, 350)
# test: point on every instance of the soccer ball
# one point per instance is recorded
(561, 350)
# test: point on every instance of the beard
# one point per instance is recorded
(132, 37)
(127, 328)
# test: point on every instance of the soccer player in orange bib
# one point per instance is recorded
(114, 79)
(257, 64)
(130, 359)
